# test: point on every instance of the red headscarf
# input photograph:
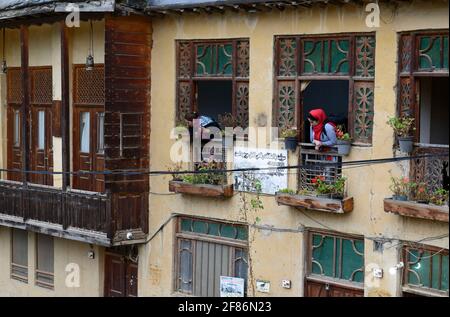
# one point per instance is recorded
(321, 117)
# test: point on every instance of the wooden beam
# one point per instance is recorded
(416, 210)
(24, 52)
(316, 203)
(203, 190)
(65, 121)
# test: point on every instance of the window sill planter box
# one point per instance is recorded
(416, 210)
(336, 206)
(204, 190)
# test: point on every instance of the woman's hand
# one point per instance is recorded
(318, 144)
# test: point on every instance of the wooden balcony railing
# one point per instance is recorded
(103, 219)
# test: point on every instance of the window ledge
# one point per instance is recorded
(424, 291)
(204, 190)
(316, 203)
(416, 210)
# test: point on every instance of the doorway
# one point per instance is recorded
(121, 276)
(88, 148)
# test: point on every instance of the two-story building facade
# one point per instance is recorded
(129, 230)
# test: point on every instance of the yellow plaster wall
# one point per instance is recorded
(279, 255)
(66, 252)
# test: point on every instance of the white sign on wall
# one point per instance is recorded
(272, 180)
(231, 286)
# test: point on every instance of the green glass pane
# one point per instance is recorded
(339, 53)
(423, 269)
(412, 257)
(186, 225)
(200, 227)
(242, 233)
(205, 60)
(446, 52)
(313, 56)
(228, 231)
(444, 277)
(352, 261)
(225, 53)
(435, 263)
(432, 51)
(214, 229)
(324, 256)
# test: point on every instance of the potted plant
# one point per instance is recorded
(422, 195)
(344, 141)
(325, 189)
(290, 138)
(403, 128)
(401, 188)
(439, 197)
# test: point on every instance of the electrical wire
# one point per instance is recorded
(137, 172)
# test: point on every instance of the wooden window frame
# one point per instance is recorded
(309, 276)
(234, 245)
(420, 290)
(295, 79)
(12, 264)
(41, 272)
(408, 70)
(187, 79)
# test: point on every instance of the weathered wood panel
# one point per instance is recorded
(201, 189)
(127, 120)
(77, 210)
(416, 210)
(316, 203)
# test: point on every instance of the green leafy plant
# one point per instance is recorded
(206, 175)
(288, 133)
(402, 126)
(286, 191)
(323, 187)
(341, 135)
(439, 197)
(421, 193)
(402, 186)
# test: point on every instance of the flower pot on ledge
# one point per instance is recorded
(406, 144)
(337, 206)
(416, 210)
(204, 190)
(343, 147)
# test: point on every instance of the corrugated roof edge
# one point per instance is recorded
(183, 4)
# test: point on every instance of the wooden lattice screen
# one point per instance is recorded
(14, 85)
(228, 59)
(305, 58)
(89, 85)
(41, 86)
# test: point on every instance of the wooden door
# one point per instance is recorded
(14, 142)
(121, 279)
(323, 289)
(88, 148)
(41, 153)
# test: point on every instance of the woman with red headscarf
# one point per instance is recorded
(322, 132)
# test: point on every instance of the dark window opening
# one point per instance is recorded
(214, 99)
(330, 95)
(434, 100)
